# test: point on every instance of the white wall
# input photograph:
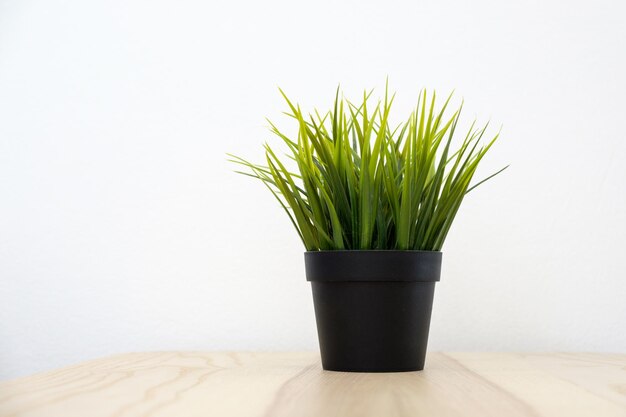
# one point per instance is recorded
(122, 227)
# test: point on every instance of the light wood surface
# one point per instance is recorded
(189, 384)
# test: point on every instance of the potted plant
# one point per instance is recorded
(373, 204)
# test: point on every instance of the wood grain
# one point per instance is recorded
(189, 384)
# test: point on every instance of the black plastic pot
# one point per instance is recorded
(373, 307)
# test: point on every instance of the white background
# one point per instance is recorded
(122, 227)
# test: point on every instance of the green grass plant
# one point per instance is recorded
(350, 180)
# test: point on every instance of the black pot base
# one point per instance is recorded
(373, 326)
(372, 307)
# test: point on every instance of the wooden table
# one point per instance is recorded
(188, 384)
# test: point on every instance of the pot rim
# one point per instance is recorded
(373, 265)
(373, 250)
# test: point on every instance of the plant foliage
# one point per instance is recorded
(359, 183)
